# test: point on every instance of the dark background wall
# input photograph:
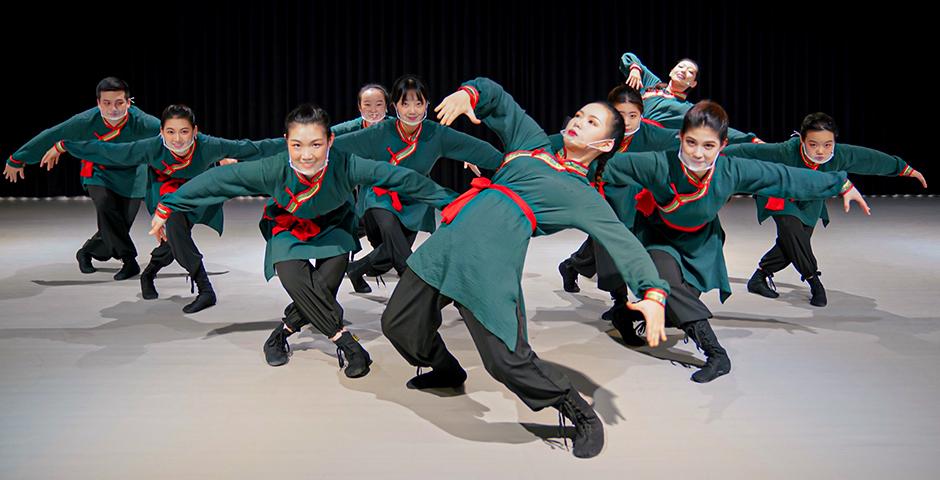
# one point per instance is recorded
(243, 65)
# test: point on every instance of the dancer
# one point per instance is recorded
(309, 216)
(666, 102)
(174, 157)
(476, 260)
(372, 102)
(116, 192)
(411, 142)
(815, 148)
(683, 190)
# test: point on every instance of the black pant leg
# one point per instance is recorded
(583, 260)
(411, 321)
(793, 245)
(113, 226)
(391, 241)
(179, 234)
(312, 292)
(537, 383)
(684, 305)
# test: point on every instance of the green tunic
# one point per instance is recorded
(847, 158)
(326, 199)
(381, 141)
(125, 181)
(622, 198)
(478, 258)
(683, 221)
(350, 126)
(665, 106)
(166, 170)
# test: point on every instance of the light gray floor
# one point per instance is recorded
(97, 383)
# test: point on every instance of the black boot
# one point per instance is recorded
(569, 277)
(619, 297)
(589, 430)
(84, 261)
(758, 284)
(628, 323)
(206, 296)
(717, 362)
(355, 271)
(276, 348)
(128, 270)
(357, 359)
(147, 288)
(449, 375)
(818, 298)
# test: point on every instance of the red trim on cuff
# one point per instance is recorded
(163, 211)
(656, 295)
(908, 171)
(60, 146)
(474, 95)
(846, 187)
(637, 67)
(16, 163)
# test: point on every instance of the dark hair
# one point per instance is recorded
(112, 84)
(626, 94)
(409, 82)
(707, 113)
(816, 122)
(369, 86)
(306, 114)
(177, 111)
(616, 132)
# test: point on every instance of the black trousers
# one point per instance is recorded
(582, 260)
(592, 258)
(684, 305)
(411, 322)
(312, 290)
(115, 215)
(792, 247)
(179, 245)
(391, 242)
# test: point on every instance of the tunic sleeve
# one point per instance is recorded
(463, 147)
(405, 181)
(128, 154)
(594, 217)
(773, 180)
(635, 169)
(217, 185)
(867, 161)
(31, 153)
(500, 112)
(630, 62)
(248, 150)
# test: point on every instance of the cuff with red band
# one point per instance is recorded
(60, 146)
(15, 163)
(474, 95)
(163, 211)
(656, 295)
(846, 187)
(636, 67)
(908, 171)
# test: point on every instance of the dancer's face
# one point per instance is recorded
(178, 132)
(411, 107)
(590, 128)
(308, 145)
(113, 105)
(372, 105)
(685, 73)
(819, 144)
(631, 115)
(701, 146)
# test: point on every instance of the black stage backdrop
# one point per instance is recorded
(243, 65)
